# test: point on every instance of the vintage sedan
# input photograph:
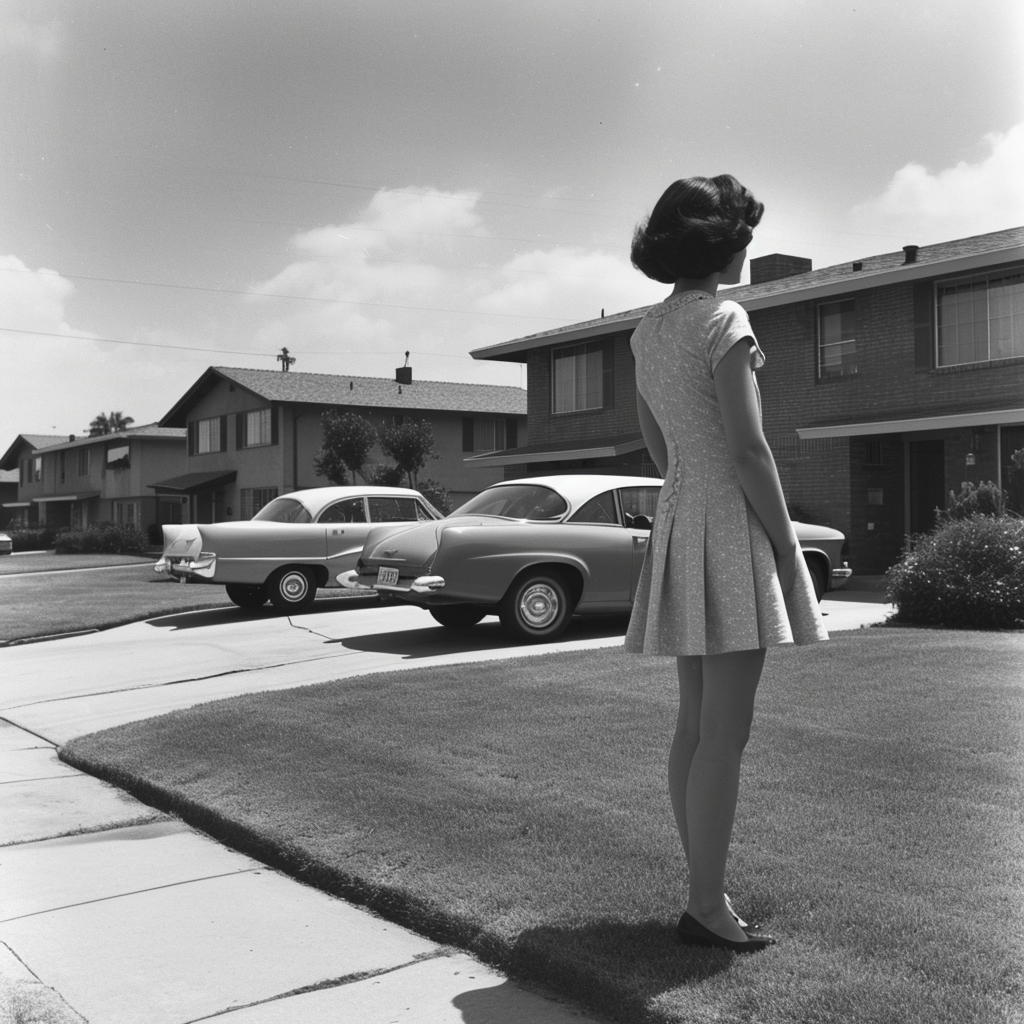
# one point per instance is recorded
(293, 545)
(6, 544)
(536, 551)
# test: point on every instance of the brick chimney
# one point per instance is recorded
(403, 374)
(771, 268)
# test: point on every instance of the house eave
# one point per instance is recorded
(915, 424)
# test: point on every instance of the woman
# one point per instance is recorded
(724, 578)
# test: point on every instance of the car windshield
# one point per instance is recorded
(517, 501)
(284, 510)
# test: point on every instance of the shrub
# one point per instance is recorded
(967, 573)
(985, 499)
(438, 495)
(34, 539)
(384, 476)
(101, 538)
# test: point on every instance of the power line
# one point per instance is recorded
(223, 351)
(278, 295)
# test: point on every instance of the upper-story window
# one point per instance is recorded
(837, 339)
(83, 461)
(37, 468)
(488, 433)
(205, 436)
(581, 377)
(981, 318)
(257, 428)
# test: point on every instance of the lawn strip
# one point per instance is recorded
(49, 561)
(517, 809)
(44, 604)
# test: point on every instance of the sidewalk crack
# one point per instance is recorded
(345, 979)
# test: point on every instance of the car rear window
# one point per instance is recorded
(598, 510)
(517, 501)
(284, 510)
(395, 510)
(350, 510)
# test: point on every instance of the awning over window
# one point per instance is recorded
(1005, 417)
(192, 483)
(554, 451)
(78, 496)
(17, 504)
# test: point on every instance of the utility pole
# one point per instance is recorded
(285, 360)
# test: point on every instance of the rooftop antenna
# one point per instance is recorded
(285, 360)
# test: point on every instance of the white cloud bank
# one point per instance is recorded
(415, 270)
(968, 199)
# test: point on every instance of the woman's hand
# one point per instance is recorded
(786, 566)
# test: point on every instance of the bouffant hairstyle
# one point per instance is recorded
(695, 229)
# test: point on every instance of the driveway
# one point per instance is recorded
(70, 687)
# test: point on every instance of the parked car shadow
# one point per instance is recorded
(434, 639)
(230, 613)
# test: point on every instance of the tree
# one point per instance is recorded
(109, 423)
(410, 445)
(347, 440)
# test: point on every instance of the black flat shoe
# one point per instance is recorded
(692, 933)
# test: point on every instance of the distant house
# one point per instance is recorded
(253, 434)
(69, 481)
(8, 495)
(23, 459)
(888, 382)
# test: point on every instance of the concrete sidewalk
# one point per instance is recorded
(113, 913)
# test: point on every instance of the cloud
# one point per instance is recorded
(968, 199)
(414, 271)
(33, 300)
(38, 38)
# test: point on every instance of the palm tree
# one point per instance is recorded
(109, 423)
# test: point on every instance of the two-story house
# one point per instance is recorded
(888, 382)
(24, 458)
(69, 481)
(253, 434)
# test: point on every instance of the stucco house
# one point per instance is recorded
(253, 434)
(77, 481)
(22, 461)
(889, 381)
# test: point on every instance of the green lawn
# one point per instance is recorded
(518, 809)
(45, 602)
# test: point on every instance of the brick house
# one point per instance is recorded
(69, 481)
(888, 382)
(253, 434)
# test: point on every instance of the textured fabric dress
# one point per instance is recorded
(709, 583)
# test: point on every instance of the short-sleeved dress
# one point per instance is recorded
(709, 583)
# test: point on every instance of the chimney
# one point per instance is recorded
(403, 374)
(71, 437)
(910, 254)
(771, 268)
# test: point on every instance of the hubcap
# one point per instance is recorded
(294, 586)
(539, 605)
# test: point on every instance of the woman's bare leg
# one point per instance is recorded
(728, 687)
(685, 741)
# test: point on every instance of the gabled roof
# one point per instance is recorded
(34, 441)
(961, 256)
(362, 392)
(148, 430)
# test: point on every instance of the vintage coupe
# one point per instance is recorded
(536, 551)
(294, 544)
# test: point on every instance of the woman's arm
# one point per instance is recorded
(752, 458)
(653, 437)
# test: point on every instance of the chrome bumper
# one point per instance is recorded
(421, 585)
(205, 565)
(840, 576)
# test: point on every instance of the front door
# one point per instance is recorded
(927, 483)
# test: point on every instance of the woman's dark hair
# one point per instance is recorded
(695, 229)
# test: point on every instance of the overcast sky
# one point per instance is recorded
(201, 182)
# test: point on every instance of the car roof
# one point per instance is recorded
(317, 498)
(577, 488)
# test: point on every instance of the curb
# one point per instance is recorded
(51, 636)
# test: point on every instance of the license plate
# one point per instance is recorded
(387, 577)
